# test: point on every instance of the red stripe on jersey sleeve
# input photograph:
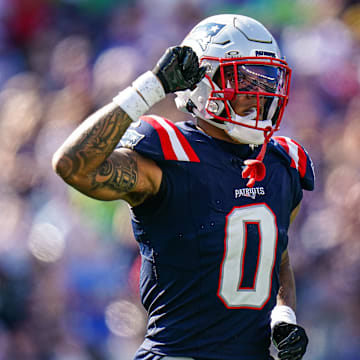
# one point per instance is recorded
(185, 144)
(282, 141)
(302, 159)
(164, 137)
(165, 140)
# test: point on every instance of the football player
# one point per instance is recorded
(211, 198)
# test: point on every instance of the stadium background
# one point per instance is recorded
(68, 264)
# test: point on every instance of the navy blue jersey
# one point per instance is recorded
(211, 247)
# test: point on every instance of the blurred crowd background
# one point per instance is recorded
(69, 264)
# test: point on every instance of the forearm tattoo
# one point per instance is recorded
(88, 151)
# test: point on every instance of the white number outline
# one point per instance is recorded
(231, 270)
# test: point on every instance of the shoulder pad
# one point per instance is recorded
(158, 138)
(298, 159)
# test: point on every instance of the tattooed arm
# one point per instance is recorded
(87, 160)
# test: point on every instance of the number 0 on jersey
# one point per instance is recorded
(235, 245)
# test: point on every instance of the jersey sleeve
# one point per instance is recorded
(298, 158)
(158, 138)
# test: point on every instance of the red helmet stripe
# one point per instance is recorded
(173, 143)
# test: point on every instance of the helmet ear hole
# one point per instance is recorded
(190, 106)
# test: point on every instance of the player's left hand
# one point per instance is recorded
(290, 340)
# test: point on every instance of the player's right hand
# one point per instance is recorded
(178, 69)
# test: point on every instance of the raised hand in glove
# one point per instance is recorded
(290, 340)
(178, 69)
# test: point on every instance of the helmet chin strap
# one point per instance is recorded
(248, 131)
(251, 116)
(255, 169)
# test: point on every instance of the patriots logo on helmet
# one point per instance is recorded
(204, 33)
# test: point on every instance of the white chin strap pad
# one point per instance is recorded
(246, 134)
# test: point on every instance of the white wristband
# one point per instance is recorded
(282, 313)
(149, 86)
(137, 99)
(131, 102)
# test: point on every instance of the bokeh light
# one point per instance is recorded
(46, 242)
(124, 319)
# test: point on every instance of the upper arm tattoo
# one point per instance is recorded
(118, 173)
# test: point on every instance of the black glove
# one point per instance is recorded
(290, 340)
(178, 69)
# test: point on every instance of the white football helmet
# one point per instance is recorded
(242, 59)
